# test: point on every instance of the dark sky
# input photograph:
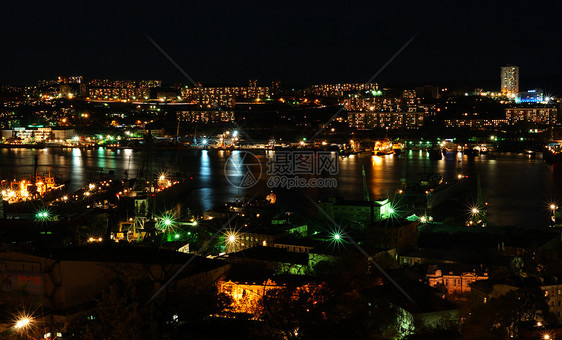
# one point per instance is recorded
(298, 42)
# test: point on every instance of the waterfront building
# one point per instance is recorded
(538, 114)
(366, 120)
(39, 134)
(205, 116)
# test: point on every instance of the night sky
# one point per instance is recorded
(299, 42)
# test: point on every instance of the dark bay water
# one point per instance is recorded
(517, 188)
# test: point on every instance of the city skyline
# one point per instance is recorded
(277, 42)
(509, 83)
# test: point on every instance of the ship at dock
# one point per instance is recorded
(382, 148)
(24, 193)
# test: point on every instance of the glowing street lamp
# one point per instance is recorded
(553, 207)
(232, 244)
(337, 237)
(477, 215)
(23, 323)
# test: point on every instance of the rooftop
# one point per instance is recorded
(269, 254)
(391, 223)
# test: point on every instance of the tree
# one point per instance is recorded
(500, 316)
(444, 328)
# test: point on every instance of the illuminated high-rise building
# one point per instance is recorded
(510, 79)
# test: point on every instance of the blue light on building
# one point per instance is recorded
(531, 96)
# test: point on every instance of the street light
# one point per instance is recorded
(23, 323)
(232, 243)
(553, 207)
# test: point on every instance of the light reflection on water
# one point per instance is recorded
(517, 188)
